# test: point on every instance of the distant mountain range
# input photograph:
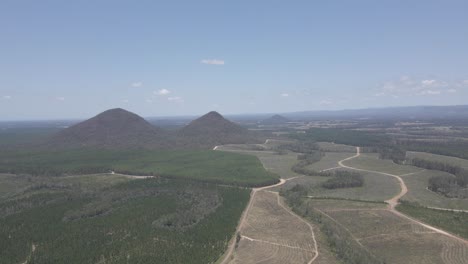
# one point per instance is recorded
(275, 120)
(118, 128)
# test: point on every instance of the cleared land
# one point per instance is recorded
(387, 236)
(333, 147)
(418, 192)
(273, 162)
(271, 232)
(371, 161)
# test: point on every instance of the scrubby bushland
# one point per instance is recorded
(305, 160)
(344, 179)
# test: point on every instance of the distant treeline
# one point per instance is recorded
(450, 186)
(387, 146)
(455, 148)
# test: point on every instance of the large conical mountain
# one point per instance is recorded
(213, 129)
(114, 128)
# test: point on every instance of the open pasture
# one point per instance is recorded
(371, 161)
(272, 232)
(418, 192)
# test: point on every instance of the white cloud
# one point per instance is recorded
(7, 97)
(137, 84)
(175, 99)
(465, 82)
(284, 94)
(406, 86)
(451, 90)
(429, 92)
(426, 83)
(325, 102)
(162, 92)
(212, 61)
(60, 98)
(125, 101)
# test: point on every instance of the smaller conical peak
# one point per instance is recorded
(213, 115)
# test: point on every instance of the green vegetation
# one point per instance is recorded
(454, 222)
(138, 221)
(342, 136)
(306, 160)
(344, 179)
(445, 184)
(208, 166)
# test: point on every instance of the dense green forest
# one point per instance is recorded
(344, 179)
(154, 220)
(209, 166)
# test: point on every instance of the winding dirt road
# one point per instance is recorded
(393, 202)
(231, 247)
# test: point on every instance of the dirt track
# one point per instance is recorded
(228, 256)
(393, 202)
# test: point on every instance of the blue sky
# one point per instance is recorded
(73, 59)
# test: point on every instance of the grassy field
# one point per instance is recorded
(332, 147)
(376, 187)
(118, 221)
(273, 162)
(371, 161)
(439, 158)
(418, 192)
(330, 160)
(209, 166)
(454, 222)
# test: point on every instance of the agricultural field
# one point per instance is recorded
(377, 235)
(419, 193)
(376, 187)
(371, 161)
(272, 161)
(332, 147)
(272, 233)
(100, 219)
(452, 221)
(208, 166)
(329, 160)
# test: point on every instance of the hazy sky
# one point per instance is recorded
(73, 59)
